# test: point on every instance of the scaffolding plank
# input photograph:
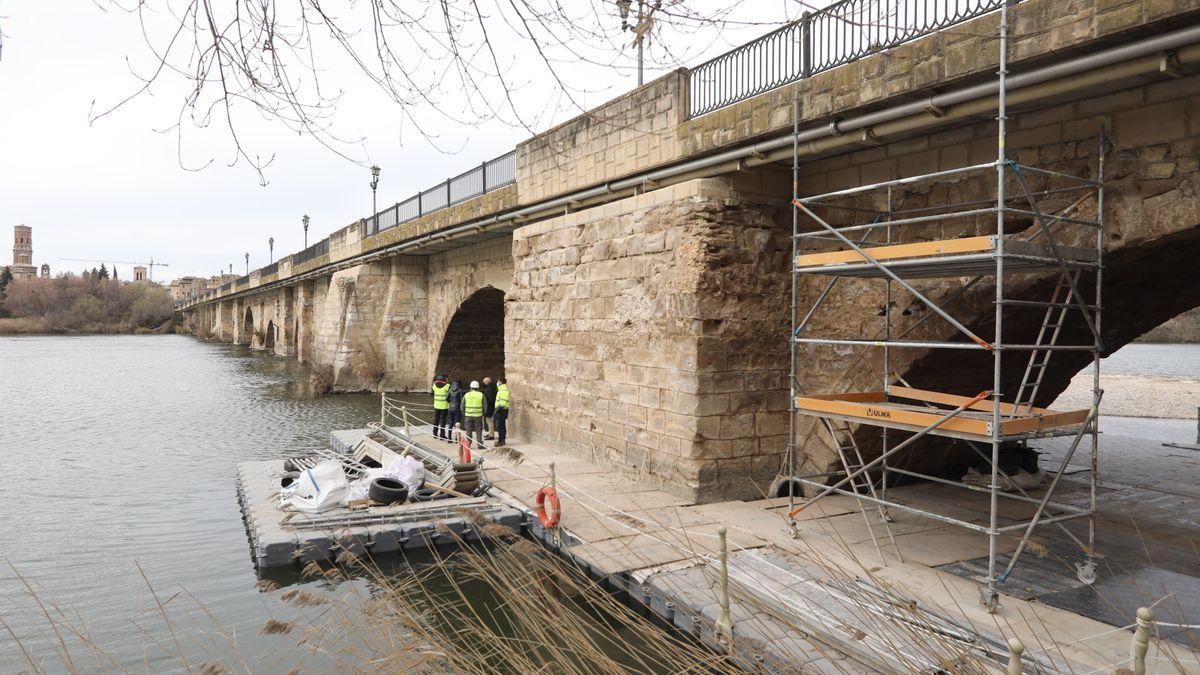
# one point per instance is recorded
(878, 410)
(875, 408)
(917, 250)
(922, 260)
(955, 401)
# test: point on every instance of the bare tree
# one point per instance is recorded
(467, 61)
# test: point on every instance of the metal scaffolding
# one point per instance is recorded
(1060, 232)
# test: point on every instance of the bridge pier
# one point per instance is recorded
(653, 335)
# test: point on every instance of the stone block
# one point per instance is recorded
(1152, 124)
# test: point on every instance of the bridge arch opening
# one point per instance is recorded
(269, 337)
(247, 334)
(473, 345)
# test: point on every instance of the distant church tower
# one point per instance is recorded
(139, 273)
(22, 267)
(45, 270)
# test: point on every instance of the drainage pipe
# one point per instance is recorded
(1138, 58)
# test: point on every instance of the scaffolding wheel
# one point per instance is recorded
(989, 599)
(1086, 572)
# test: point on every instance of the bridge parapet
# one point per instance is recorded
(1041, 30)
(649, 128)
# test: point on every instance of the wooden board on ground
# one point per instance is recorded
(623, 554)
(942, 545)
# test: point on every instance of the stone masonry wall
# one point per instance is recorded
(650, 334)
(628, 133)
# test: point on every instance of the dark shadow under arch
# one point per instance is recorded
(247, 336)
(269, 337)
(473, 345)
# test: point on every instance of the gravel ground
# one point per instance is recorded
(1135, 395)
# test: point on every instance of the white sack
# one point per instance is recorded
(361, 488)
(407, 470)
(322, 487)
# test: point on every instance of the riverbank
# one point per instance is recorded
(1151, 381)
(40, 326)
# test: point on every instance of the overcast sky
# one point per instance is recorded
(115, 189)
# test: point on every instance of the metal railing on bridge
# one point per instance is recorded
(316, 250)
(492, 174)
(822, 40)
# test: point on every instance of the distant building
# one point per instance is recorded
(22, 267)
(139, 273)
(45, 270)
(185, 287)
(220, 280)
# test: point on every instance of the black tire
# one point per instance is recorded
(426, 495)
(289, 478)
(387, 491)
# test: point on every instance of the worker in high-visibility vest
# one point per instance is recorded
(441, 407)
(472, 407)
(500, 415)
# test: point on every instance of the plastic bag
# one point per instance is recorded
(407, 470)
(361, 488)
(322, 487)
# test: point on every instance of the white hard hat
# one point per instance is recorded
(474, 384)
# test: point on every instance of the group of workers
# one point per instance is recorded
(474, 408)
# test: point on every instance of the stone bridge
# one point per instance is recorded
(633, 282)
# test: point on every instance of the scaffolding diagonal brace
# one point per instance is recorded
(1037, 516)
(894, 277)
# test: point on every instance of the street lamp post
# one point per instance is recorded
(271, 250)
(305, 221)
(640, 28)
(247, 263)
(374, 184)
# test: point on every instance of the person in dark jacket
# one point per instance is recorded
(455, 401)
(489, 397)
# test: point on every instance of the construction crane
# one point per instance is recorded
(149, 265)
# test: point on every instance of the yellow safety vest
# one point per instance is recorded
(502, 396)
(473, 403)
(441, 397)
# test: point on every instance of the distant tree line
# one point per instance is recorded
(90, 302)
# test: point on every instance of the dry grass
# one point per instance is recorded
(24, 326)
(508, 607)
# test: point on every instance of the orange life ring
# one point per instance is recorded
(464, 449)
(548, 518)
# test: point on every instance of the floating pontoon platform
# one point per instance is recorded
(280, 538)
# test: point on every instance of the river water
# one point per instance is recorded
(120, 452)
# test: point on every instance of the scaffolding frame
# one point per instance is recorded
(986, 421)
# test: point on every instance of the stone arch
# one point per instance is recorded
(269, 336)
(472, 346)
(247, 332)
